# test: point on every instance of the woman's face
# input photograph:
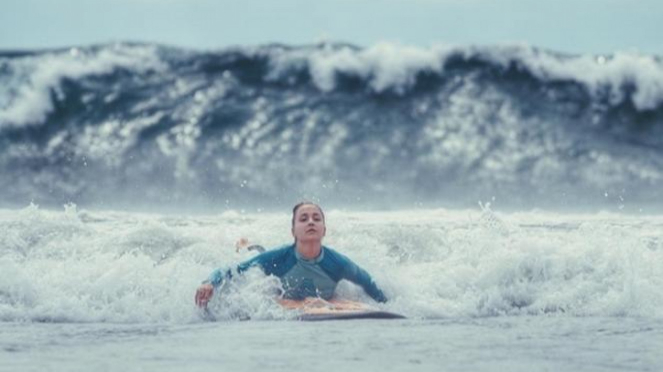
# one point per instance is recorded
(309, 224)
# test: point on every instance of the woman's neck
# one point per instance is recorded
(309, 250)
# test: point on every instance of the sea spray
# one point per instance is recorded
(146, 126)
(95, 266)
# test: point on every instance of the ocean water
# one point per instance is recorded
(489, 344)
(507, 200)
(482, 290)
(143, 125)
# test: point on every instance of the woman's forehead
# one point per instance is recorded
(308, 208)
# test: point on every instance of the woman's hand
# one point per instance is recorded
(203, 294)
(241, 244)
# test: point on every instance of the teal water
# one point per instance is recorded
(482, 290)
(490, 344)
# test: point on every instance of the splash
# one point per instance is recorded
(83, 266)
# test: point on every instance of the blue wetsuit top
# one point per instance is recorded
(303, 278)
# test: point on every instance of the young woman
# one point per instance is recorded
(306, 267)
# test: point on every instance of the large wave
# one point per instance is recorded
(135, 123)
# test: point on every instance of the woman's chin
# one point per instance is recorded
(310, 239)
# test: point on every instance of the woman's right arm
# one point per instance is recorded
(219, 276)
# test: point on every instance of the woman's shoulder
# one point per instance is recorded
(335, 256)
(274, 255)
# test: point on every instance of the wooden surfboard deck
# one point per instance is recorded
(315, 309)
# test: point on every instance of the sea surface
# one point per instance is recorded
(482, 290)
(507, 199)
(142, 125)
(489, 344)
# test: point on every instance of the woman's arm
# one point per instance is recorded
(352, 272)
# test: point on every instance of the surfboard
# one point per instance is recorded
(315, 309)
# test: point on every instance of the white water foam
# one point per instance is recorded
(81, 266)
(25, 98)
(390, 66)
(385, 65)
(616, 73)
(25, 95)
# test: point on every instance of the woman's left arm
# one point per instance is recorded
(359, 276)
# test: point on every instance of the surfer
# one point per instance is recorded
(306, 267)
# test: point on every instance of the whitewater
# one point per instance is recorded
(506, 199)
(482, 290)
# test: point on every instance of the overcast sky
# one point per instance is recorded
(577, 26)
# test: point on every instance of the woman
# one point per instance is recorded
(306, 267)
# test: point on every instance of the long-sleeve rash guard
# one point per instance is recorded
(303, 278)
